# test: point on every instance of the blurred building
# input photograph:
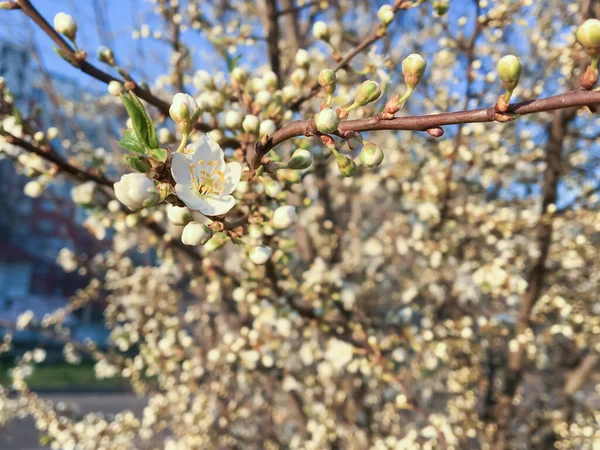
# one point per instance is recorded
(34, 230)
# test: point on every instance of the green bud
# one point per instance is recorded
(413, 68)
(106, 55)
(386, 14)
(368, 92)
(509, 71)
(346, 166)
(327, 80)
(371, 155)
(327, 120)
(301, 159)
(588, 35)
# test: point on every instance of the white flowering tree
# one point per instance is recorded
(377, 229)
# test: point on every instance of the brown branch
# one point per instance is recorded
(54, 158)
(271, 25)
(374, 36)
(307, 127)
(79, 61)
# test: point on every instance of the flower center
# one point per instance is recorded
(206, 178)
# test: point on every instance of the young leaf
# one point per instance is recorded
(141, 121)
(138, 163)
(231, 62)
(159, 154)
(130, 142)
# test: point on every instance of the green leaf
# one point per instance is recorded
(142, 123)
(138, 163)
(159, 154)
(130, 142)
(232, 62)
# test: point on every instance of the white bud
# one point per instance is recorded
(263, 98)
(260, 255)
(33, 189)
(301, 159)
(114, 206)
(267, 128)
(272, 188)
(164, 136)
(115, 88)
(386, 14)
(239, 74)
(178, 215)
(52, 133)
(183, 107)
(251, 124)
(327, 120)
(196, 233)
(283, 217)
(136, 191)
(270, 78)
(302, 58)
(39, 136)
(288, 93)
(320, 31)
(298, 77)
(233, 119)
(65, 25)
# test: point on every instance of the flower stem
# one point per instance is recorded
(184, 139)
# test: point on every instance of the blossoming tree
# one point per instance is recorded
(377, 229)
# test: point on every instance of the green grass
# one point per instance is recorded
(63, 376)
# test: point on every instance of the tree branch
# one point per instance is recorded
(307, 127)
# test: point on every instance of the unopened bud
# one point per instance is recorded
(386, 14)
(196, 233)
(346, 166)
(327, 80)
(184, 111)
(239, 75)
(283, 217)
(178, 215)
(509, 71)
(233, 119)
(320, 31)
(371, 155)
(301, 159)
(298, 77)
(136, 191)
(106, 55)
(413, 68)
(368, 92)
(260, 255)
(588, 35)
(251, 124)
(327, 120)
(52, 133)
(271, 80)
(65, 25)
(302, 58)
(267, 128)
(115, 88)
(39, 136)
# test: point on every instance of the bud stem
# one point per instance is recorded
(406, 96)
(184, 139)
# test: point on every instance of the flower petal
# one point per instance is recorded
(216, 206)
(233, 173)
(180, 169)
(190, 197)
(206, 149)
